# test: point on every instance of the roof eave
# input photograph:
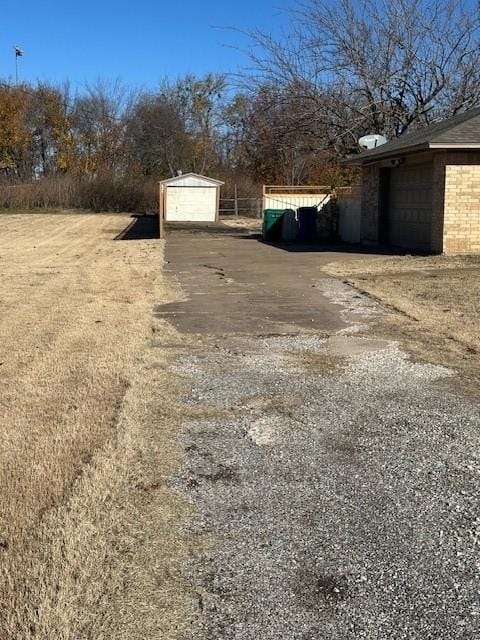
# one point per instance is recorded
(385, 155)
(454, 145)
(424, 146)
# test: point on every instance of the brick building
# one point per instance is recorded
(421, 191)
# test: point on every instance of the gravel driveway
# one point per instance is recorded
(334, 481)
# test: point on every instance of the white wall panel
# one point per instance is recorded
(190, 204)
(349, 210)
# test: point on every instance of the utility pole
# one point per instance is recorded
(18, 54)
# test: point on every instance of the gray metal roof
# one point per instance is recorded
(459, 132)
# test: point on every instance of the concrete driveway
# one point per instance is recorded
(234, 284)
(335, 481)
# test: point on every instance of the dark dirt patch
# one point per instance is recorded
(320, 592)
(276, 402)
(321, 363)
(222, 473)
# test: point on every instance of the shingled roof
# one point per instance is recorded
(459, 132)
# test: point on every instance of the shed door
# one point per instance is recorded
(410, 206)
(191, 204)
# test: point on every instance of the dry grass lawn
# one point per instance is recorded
(438, 298)
(89, 530)
(243, 222)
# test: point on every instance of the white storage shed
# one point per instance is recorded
(190, 198)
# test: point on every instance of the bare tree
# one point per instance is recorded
(99, 119)
(158, 141)
(369, 65)
(200, 102)
(48, 118)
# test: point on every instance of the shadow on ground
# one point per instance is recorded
(323, 246)
(212, 228)
(141, 227)
(340, 247)
(320, 246)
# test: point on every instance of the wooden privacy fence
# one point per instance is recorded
(293, 197)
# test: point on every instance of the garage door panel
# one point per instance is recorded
(187, 204)
(410, 206)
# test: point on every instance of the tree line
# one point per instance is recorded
(345, 68)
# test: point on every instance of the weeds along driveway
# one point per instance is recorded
(334, 483)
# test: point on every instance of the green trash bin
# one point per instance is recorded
(272, 224)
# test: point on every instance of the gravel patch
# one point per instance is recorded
(293, 344)
(342, 506)
(357, 311)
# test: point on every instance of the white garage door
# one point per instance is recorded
(410, 206)
(191, 204)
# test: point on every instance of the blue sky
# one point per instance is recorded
(138, 41)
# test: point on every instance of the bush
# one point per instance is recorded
(101, 193)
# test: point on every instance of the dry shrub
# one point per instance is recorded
(105, 192)
(118, 194)
(246, 187)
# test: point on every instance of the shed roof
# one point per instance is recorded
(185, 177)
(459, 132)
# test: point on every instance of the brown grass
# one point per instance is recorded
(89, 529)
(437, 300)
(106, 192)
(243, 222)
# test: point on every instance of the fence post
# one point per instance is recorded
(161, 212)
(259, 207)
(236, 201)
